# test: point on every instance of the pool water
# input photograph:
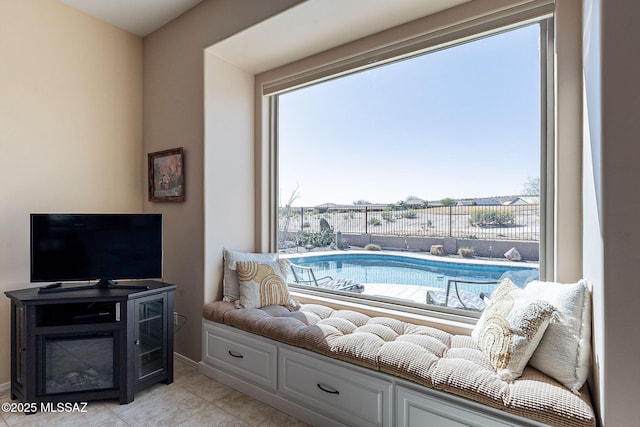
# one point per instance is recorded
(398, 269)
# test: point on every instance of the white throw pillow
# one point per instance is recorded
(230, 285)
(510, 329)
(565, 350)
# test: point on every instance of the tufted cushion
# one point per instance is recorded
(424, 355)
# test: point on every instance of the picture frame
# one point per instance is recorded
(166, 176)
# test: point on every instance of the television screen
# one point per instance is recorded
(75, 247)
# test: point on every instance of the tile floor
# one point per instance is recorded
(192, 400)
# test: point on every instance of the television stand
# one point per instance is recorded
(102, 284)
(121, 340)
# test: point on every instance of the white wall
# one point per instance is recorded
(593, 257)
(228, 158)
(70, 127)
(611, 259)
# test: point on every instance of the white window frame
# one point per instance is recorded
(540, 12)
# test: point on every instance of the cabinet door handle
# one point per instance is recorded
(137, 342)
(236, 355)
(327, 389)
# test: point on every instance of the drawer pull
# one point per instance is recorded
(328, 389)
(236, 355)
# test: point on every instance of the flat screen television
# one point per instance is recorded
(102, 247)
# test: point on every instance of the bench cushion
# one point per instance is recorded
(424, 355)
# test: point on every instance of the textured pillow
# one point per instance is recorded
(230, 283)
(565, 349)
(262, 284)
(510, 329)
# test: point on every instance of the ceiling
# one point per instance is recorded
(332, 22)
(318, 25)
(139, 17)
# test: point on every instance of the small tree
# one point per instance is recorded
(286, 213)
(448, 201)
(531, 187)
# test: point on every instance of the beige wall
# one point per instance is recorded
(174, 117)
(70, 127)
(567, 265)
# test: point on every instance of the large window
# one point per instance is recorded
(408, 182)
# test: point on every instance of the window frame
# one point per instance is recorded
(267, 91)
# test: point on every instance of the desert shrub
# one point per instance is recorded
(387, 214)
(491, 218)
(427, 224)
(374, 221)
(409, 214)
(306, 224)
(466, 252)
(372, 247)
(324, 224)
(320, 238)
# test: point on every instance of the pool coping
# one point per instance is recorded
(417, 255)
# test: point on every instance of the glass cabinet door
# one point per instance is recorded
(19, 346)
(150, 323)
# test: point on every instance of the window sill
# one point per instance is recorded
(451, 326)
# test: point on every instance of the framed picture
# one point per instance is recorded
(166, 176)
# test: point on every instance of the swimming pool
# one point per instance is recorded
(412, 270)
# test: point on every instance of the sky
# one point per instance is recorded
(462, 122)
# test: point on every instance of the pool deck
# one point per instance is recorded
(413, 293)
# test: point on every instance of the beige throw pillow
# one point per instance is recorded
(230, 284)
(565, 349)
(262, 284)
(510, 329)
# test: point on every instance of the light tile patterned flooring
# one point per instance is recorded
(192, 400)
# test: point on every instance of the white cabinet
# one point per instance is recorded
(416, 409)
(252, 359)
(355, 398)
(330, 393)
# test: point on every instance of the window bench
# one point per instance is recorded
(342, 367)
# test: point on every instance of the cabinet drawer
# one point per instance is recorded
(344, 394)
(241, 355)
(416, 409)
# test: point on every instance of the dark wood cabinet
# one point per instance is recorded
(89, 344)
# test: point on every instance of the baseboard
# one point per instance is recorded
(5, 386)
(186, 360)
